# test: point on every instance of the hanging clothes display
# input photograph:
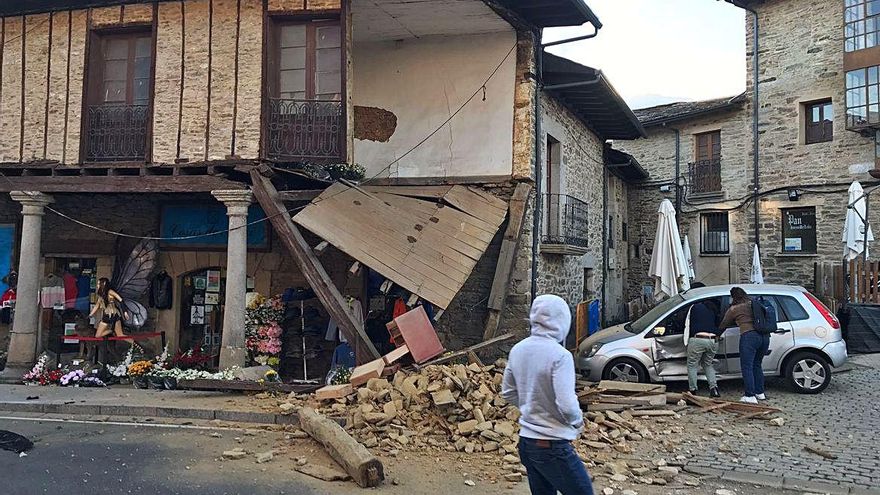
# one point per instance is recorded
(70, 290)
(161, 291)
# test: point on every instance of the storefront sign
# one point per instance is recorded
(799, 230)
(183, 222)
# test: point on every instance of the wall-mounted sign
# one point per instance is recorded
(186, 221)
(799, 230)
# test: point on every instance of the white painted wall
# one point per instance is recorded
(423, 81)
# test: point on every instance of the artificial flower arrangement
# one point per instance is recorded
(191, 359)
(72, 378)
(271, 376)
(34, 376)
(121, 370)
(139, 368)
(263, 331)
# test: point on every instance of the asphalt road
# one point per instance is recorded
(95, 459)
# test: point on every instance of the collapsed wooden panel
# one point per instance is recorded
(426, 247)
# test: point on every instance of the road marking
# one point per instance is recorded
(126, 423)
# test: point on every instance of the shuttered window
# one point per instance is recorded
(819, 120)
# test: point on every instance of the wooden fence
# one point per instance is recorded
(854, 281)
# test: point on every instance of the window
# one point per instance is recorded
(862, 97)
(793, 309)
(306, 117)
(862, 24)
(310, 61)
(819, 118)
(714, 233)
(799, 230)
(705, 172)
(119, 92)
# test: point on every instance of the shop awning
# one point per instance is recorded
(426, 239)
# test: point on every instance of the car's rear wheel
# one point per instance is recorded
(625, 370)
(807, 373)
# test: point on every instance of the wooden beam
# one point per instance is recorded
(317, 277)
(466, 350)
(321, 248)
(364, 468)
(301, 195)
(507, 257)
(118, 184)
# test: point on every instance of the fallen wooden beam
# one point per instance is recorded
(466, 350)
(651, 400)
(317, 277)
(363, 467)
(507, 257)
(653, 412)
(648, 388)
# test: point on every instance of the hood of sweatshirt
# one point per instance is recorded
(550, 317)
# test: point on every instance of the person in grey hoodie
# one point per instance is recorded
(540, 380)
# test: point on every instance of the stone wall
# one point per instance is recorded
(801, 61)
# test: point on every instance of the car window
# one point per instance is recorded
(780, 315)
(642, 323)
(793, 309)
(674, 322)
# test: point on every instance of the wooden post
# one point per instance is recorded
(317, 277)
(507, 257)
(358, 462)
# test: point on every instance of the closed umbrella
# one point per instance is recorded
(854, 225)
(686, 248)
(757, 275)
(668, 265)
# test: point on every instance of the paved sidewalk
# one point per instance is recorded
(129, 401)
(842, 420)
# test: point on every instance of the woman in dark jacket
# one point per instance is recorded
(752, 345)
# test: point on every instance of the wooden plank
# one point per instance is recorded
(654, 412)
(507, 258)
(475, 205)
(435, 192)
(300, 195)
(819, 452)
(651, 400)
(118, 184)
(613, 386)
(466, 350)
(317, 277)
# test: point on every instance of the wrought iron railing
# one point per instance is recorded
(705, 176)
(565, 220)
(305, 130)
(116, 133)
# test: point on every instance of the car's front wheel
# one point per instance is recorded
(625, 370)
(807, 373)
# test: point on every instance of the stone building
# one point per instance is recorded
(159, 119)
(817, 103)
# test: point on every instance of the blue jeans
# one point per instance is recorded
(752, 349)
(554, 466)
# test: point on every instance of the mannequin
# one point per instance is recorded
(110, 303)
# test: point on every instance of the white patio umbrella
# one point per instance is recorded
(668, 265)
(686, 249)
(757, 275)
(854, 225)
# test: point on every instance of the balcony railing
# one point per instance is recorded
(705, 176)
(116, 133)
(565, 221)
(302, 130)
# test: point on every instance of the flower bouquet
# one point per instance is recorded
(72, 379)
(33, 377)
(120, 371)
(262, 330)
(138, 371)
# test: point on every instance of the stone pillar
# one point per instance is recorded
(233, 351)
(23, 339)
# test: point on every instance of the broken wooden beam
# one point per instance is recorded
(363, 467)
(464, 352)
(315, 274)
(321, 248)
(820, 452)
(507, 257)
(629, 387)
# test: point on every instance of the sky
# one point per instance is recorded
(660, 51)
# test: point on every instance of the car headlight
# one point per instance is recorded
(593, 350)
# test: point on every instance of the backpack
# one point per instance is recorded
(764, 315)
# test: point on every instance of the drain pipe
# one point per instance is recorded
(677, 173)
(743, 4)
(539, 138)
(605, 248)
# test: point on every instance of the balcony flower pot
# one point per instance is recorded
(140, 381)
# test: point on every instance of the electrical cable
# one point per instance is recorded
(291, 210)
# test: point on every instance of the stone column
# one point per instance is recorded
(23, 339)
(233, 352)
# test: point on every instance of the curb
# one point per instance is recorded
(150, 411)
(785, 482)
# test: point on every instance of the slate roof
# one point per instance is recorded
(684, 110)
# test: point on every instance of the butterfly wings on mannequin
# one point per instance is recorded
(131, 279)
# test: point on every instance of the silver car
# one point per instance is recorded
(807, 343)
